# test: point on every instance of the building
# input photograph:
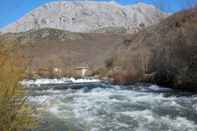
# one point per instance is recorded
(82, 70)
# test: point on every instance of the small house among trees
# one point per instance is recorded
(82, 70)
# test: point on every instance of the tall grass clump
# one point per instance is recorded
(15, 113)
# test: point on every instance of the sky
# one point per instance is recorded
(11, 10)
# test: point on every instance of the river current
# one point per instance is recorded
(106, 107)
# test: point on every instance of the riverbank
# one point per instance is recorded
(66, 82)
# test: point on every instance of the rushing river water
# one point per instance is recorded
(104, 107)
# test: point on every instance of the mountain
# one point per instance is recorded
(88, 16)
(164, 54)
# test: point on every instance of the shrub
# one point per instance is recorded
(15, 113)
(101, 72)
(109, 63)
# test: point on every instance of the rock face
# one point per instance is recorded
(88, 16)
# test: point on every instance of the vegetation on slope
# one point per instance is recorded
(16, 114)
(165, 53)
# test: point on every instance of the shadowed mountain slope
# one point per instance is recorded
(58, 48)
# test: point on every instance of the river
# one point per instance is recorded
(105, 107)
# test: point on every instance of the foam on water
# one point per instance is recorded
(64, 80)
(116, 109)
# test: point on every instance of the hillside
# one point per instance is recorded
(164, 53)
(88, 16)
(50, 48)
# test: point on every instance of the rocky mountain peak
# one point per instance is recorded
(87, 16)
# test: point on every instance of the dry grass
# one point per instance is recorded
(16, 114)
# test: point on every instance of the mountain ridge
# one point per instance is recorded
(87, 16)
